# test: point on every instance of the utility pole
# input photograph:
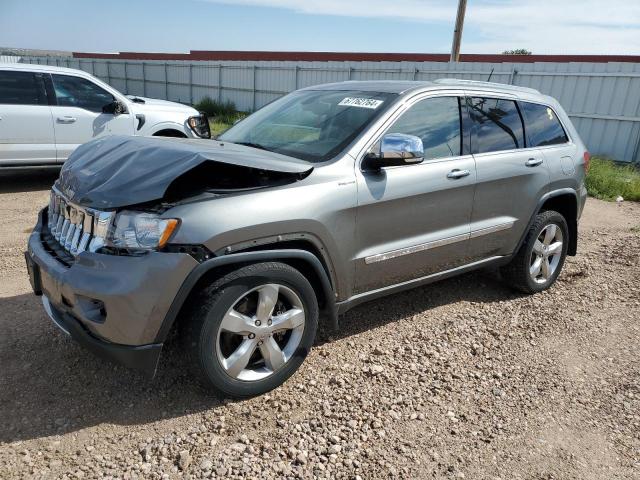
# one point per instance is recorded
(457, 33)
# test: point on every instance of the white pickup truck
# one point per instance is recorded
(46, 112)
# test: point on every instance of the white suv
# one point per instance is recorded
(46, 112)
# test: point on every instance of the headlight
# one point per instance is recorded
(141, 231)
(200, 125)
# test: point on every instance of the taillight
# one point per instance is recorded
(587, 161)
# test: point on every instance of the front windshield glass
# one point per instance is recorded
(313, 125)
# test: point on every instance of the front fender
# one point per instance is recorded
(150, 130)
(243, 258)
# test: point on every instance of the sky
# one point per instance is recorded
(491, 26)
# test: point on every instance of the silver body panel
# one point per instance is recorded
(413, 216)
(377, 230)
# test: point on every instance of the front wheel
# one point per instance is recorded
(251, 329)
(539, 261)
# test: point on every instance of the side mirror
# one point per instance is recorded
(395, 149)
(115, 108)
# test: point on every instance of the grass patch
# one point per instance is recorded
(607, 179)
(213, 108)
(218, 127)
(222, 115)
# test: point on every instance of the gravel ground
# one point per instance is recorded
(461, 379)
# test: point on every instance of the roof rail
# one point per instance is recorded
(479, 83)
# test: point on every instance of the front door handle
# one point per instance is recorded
(458, 173)
(66, 119)
(533, 162)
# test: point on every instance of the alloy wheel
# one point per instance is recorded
(261, 332)
(546, 253)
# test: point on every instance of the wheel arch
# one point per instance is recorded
(304, 260)
(170, 132)
(565, 202)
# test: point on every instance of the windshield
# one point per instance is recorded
(313, 125)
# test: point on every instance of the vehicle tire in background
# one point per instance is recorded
(539, 261)
(251, 329)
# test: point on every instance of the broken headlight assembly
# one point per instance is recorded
(139, 231)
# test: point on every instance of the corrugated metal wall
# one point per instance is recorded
(9, 59)
(603, 99)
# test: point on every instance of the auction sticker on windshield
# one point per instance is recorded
(361, 102)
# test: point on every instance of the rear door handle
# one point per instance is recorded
(458, 173)
(533, 162)
(66, 119)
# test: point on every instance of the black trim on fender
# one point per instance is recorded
(541, 202)
(141, 120)
(247, 257)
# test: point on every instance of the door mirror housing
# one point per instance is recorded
(115, 108)
(394, 149)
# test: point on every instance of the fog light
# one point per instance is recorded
(92, 309)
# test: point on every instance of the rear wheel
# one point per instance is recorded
(252, 329)
(539, 261)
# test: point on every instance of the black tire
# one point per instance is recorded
(200, 333)
(517, 273)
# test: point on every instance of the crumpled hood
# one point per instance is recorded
(117, 171)
(155, 105)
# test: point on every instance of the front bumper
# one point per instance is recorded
(143, 357)
(113, 305)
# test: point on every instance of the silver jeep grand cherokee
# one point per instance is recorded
(328, 197)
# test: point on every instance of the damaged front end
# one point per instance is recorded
(115, 172)
(216, 178)
(112, 192)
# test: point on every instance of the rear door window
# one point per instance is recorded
(542, 125)
(437, 122)
(21, 88)
(78, 92)
(497, 124)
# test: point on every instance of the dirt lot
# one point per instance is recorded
(461, 379)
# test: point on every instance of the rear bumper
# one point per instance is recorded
(144, 357)
(582, 199)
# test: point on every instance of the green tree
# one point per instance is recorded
(517, 51)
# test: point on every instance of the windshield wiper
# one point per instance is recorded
(253, 145)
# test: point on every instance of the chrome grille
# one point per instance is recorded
(77, 229)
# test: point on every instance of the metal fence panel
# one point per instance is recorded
(10, 59)
(603, 99)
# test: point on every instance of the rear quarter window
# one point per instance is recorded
(21, 88)
(542, 125)
(497, 124)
